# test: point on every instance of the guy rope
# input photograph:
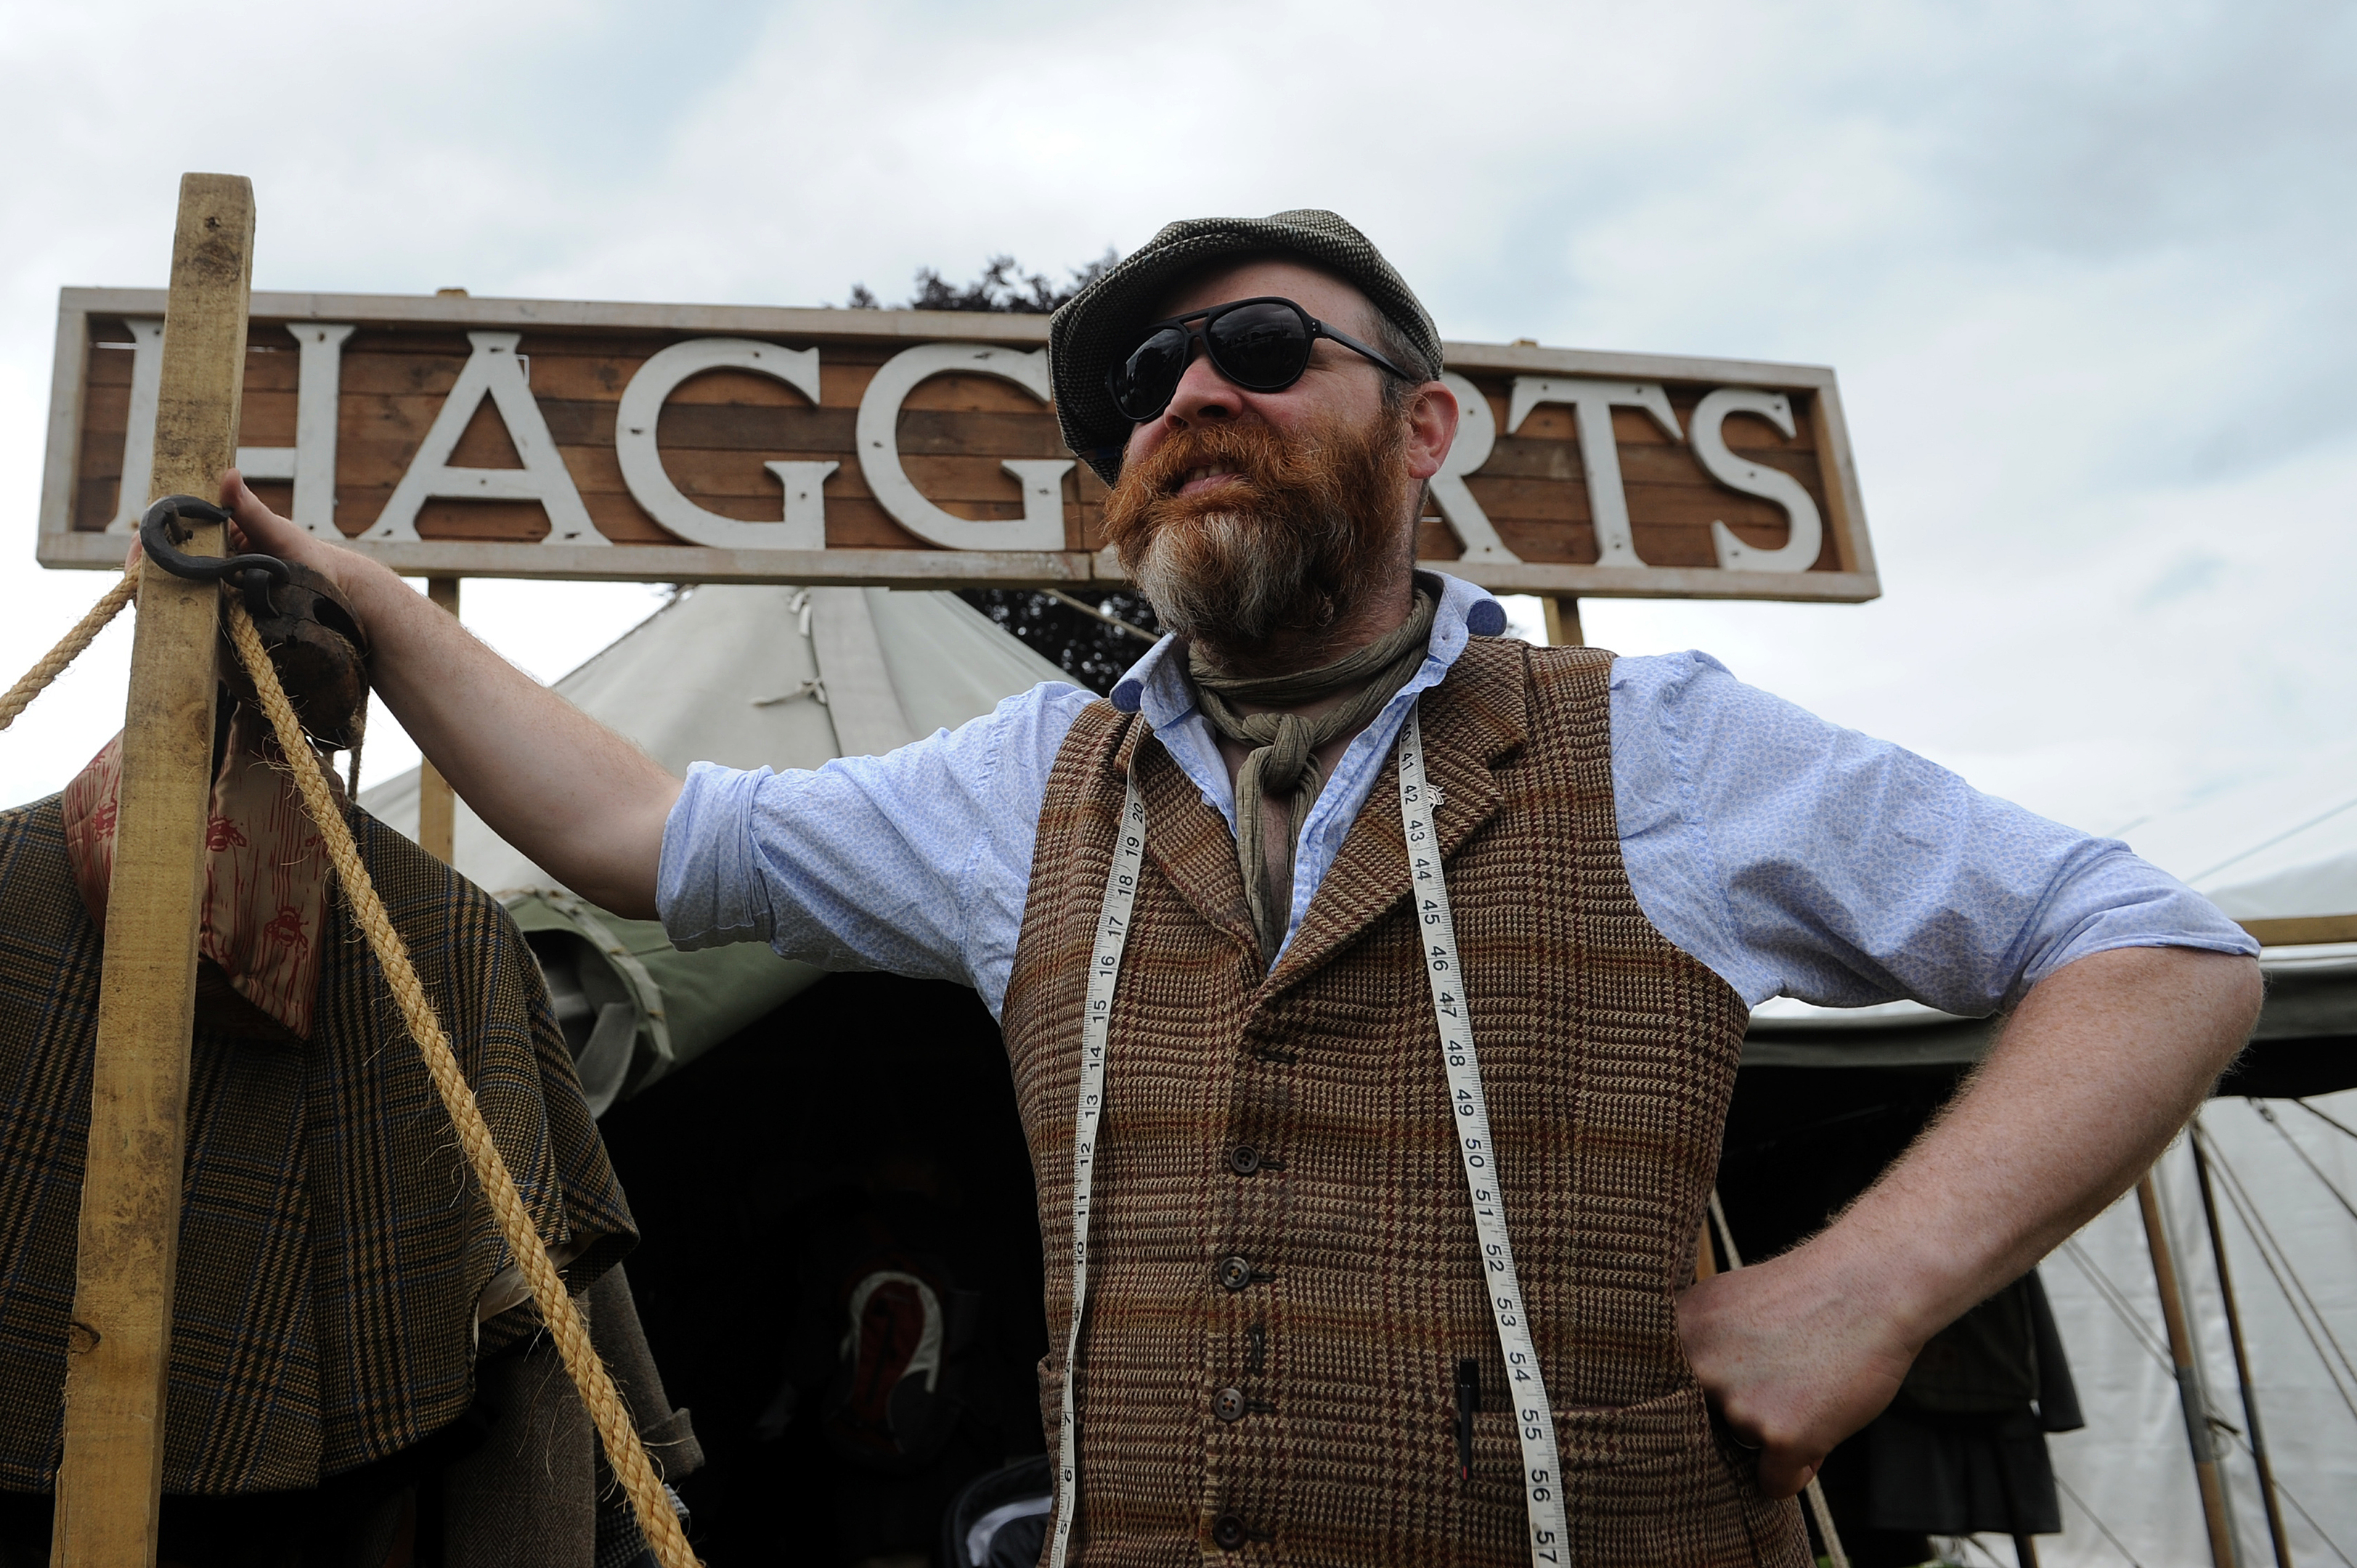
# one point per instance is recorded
(109, 1474)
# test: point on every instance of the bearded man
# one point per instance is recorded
(1374, 987)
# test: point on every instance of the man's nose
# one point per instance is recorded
(1204, 396)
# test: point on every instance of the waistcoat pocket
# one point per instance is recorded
(1652, 1437)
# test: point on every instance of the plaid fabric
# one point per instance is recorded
(1608, 1058)
(332, 1246)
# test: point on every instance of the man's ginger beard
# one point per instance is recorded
(1286, 549)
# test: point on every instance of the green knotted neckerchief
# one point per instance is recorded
(1283, 744)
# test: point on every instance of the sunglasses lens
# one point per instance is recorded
(1142, 384)
(1264, 346)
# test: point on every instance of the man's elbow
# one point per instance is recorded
(2240, 990)
(2214, 998)
(617, 866)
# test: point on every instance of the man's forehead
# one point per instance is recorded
(1316, 290)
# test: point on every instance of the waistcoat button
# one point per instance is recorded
(1228, 1405)
(1235, 1274)
(1244, 1159)
(1228, 1531)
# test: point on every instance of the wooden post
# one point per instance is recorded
(2242, 1356)
(1563, 629)
(2188, 1390)
(118, 1343)
(437, 808)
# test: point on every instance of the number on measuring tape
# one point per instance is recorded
(1096, 1020)
(1537, 1420)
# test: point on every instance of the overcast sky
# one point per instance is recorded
(2086, 273)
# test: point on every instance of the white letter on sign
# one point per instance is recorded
(311, 461)
(491, 371)
(1608, 501)
(634, 442)
(139, 436)
(1042, 527)
(1797, 553)
(1477, 434)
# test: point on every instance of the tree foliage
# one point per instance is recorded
(1003, 286)
(1091, 653)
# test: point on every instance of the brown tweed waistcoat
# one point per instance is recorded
(1607, 1057)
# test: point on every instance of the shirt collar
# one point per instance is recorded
(1157, 684)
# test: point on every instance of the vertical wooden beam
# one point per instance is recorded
(1563, 629)
(2275, 1533)
(2189, 1389)
(437, 807)
(119, 1344)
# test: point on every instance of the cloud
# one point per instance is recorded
(2083, 268)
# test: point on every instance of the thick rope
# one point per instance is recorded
(624, 1452)
(69, 649)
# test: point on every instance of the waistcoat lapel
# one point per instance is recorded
(1471, 720)
(1186, 839)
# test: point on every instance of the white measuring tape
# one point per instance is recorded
(1104, 969)
(1534, 1417)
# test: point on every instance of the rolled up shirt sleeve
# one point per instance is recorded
(1797, 858)
(917, 862)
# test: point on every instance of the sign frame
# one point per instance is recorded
(58, 545)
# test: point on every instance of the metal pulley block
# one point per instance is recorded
(312, 634)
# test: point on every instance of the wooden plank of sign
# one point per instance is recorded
(1843, 505)
(719, 429)
(62, 480)
(946, 569)
(119, 1341)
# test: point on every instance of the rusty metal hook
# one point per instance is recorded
(252, 574)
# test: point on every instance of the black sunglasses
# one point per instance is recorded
(1260, 344)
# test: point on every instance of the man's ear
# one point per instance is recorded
(1432, 415)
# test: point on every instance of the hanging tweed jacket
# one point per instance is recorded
(333, 1256)
(1279, 1211)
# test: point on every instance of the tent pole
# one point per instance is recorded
(437, 807)
(119, 1339)
(2242, 1356)
(2181, 1351)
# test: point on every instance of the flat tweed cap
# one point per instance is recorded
(1102, 322)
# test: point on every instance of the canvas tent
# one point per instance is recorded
(786, 1170)
(781, 677)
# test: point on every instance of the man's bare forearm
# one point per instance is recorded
(583, 802)
(2102, 1064)
(2098, 1069)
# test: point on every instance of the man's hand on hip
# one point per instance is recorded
(1792, 1362)
(2103, 1062)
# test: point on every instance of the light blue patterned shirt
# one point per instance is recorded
(1791, 856)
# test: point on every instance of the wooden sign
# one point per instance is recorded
(460, 437)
